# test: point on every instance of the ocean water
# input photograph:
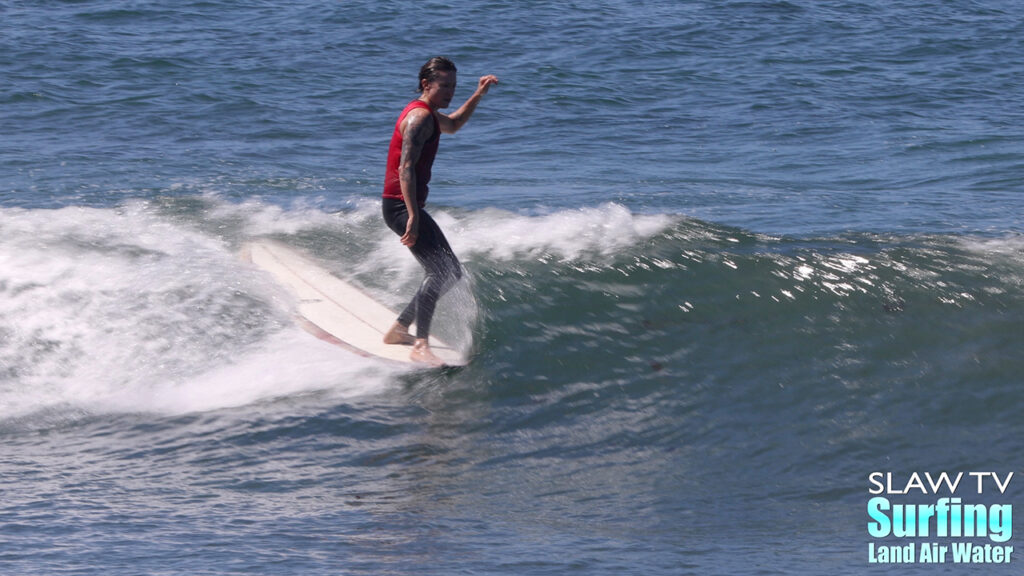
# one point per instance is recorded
(726, 261)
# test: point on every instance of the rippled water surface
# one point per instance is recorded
(726, 259)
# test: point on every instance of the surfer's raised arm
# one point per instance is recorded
(451, 123)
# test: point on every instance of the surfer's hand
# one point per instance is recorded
(412, 232)
(485, 83)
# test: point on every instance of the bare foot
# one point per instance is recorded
(399, 334)
(421, 353)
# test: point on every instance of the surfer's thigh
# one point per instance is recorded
(396, 215)
(433, 251)
(431, 239)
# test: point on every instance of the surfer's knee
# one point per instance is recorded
(449, 276)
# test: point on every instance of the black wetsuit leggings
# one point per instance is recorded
(434, 254)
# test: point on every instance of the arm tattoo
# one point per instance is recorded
(417, 131)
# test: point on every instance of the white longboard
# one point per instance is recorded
(334, 310)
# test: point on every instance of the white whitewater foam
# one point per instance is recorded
(125, 310)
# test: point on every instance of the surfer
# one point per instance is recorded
(410, 158)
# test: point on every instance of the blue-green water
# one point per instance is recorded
(727, 259)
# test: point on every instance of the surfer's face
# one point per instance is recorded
(439, 91)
